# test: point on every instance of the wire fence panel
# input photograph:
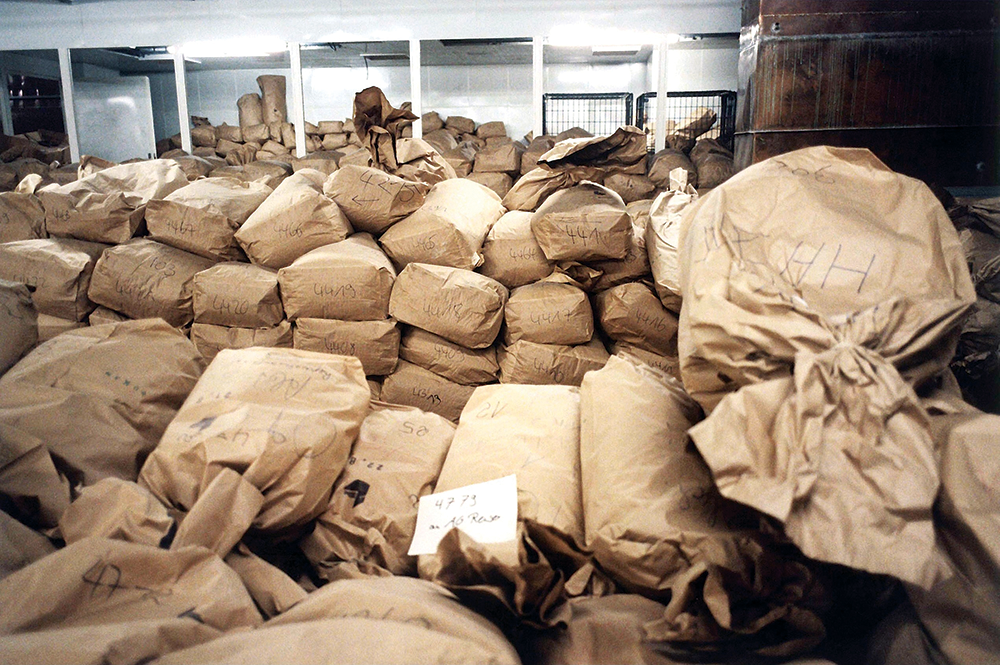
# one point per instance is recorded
(682, 105)
(598, 113)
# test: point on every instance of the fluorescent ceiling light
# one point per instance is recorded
(242, 48)
(610, 49)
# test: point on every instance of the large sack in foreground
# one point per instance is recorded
(404, 600)
(452, 361)
(22, 217)
(531, 362)
(343, 640)
(448, 229)
(18, 323)
(827, 325)
(462, 306)
(411, 385)
(583, 223)
(283, 420)
(349, 280)
(372, 199)
(101, 600)
(58, 270)
(144, 278)
(202, 217)
(548, 312)
(107, 206)
(368, 526)
(532, 432)
(374, 343)
(128, 378)
(210, 339)
(663, 233)
(511, 254)
(237, 294)
(632, 313)
(296, 218)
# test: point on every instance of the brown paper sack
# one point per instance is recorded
(129, 378)
(237, 294)
(250, 112)
(460, 124)
(440, 139)
(448, 229)
(18, 323)
(713, 170)
(230, 133)
(497, 182)
(635, 265)
(272, 92)
(79, 604)
(411, 385)
(548, 312)
(533, 363)
(33, 490)
(371, 199)
(50, 326)
(379, 126)
(103, 315)
(462, 306)
(224, 147)
(374, 343)
(194, 167)
(22, 217)
(584, 222)
(295, 219)
(330, 127)
(20, 545)
(370, 521)
(202, 217)
(107, 206)
(670, 365)
(533, 432)
(420, 162)
(144, 278)
(962, 614)
(630, 186)
(666, 161)
(404, 600)
(284, 419)
(210, 339)
(57, 270)
(632, 313)
(348, 640)
(827, 325)
(323, 161)
(349, 280)
(452, 361)
(204, 136)
(117, 509)
(272, 171)
(491, 129)
(663, 234)
(535, 186)
(511, 254)
(500, 159)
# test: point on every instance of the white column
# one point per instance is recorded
(660, 126)
(6, 117)
(69, 112)
(183, 115)
(298, 100)
(538, 83)
(415, 88)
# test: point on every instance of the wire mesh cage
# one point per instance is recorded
(682, 105)
(598, 113)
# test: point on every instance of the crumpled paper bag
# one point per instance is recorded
(826, 286)
(18, 323)
(117, 509)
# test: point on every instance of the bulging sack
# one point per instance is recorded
(58, 270)
(202, 217)
(411, 385)
(548, 312)
(144, 278)
(372, 514)
(210, 338)
(237, 294)
(462, 306)
(374, 343)
(128, 378)
(448, 229)
(632, 313)
(372, 199)
(663, 232)
(452, 361)
(283, 419)
(534, 363)
(296, 218)
(582, 223)
(511, 254)
(827, 324)
(349, 280)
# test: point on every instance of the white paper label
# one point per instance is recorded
(486, 512)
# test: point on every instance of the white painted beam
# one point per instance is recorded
(415, 88)
(183, 115)
(69, 111)
(298, 100)
(538, 83)
(660, 126)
